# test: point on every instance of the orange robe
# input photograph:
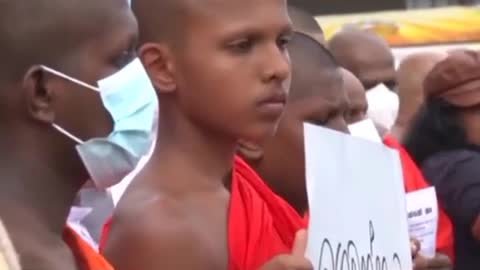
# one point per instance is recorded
(87, 257)
(261, 224)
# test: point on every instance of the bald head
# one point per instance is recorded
(159, 20)
(358, 106)
(365, 54)
(310, 61)
(410, 76)
(48, 31)
(304, 22)
(353, 86)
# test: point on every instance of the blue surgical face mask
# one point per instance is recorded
(130, 98)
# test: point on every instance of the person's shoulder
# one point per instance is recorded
(451, 165)
(453, 157)
(147, 235)
(148, 215)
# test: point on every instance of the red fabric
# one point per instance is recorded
(261, 224)
(414, 180)
(86, 256)
(103, 237)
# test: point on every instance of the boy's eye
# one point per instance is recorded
(242, 46)
(319, 121)
(124, 58)
(283, 41)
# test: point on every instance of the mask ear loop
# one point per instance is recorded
(68, 78)
(66, 133)
(73, 80)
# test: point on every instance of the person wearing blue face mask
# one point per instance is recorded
(76, 104)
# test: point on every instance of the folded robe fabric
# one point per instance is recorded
(261, 224)
(414, 180)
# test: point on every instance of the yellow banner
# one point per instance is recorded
(413, 27)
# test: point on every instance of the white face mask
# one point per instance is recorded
(382, 105)
(130, 98)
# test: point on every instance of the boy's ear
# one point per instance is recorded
(251, 152)
(158, 61)
(40, 94)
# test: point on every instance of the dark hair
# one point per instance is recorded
(437, 127)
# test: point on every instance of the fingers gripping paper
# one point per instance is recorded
(356, 202)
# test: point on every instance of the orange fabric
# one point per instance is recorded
(261, 224)
(414, 180)
(86, 256)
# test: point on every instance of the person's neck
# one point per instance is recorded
(189, 158)
(398, 129)
(35, 191)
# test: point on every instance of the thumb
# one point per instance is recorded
(300, 243)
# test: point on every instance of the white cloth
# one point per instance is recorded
(77, 214)
(382, 105)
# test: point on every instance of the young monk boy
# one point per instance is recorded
(221, 70)
(52, 55)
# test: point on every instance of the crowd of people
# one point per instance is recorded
(214, 95)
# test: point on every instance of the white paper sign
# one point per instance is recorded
(357, 203)
(422, 210)
(365, 129)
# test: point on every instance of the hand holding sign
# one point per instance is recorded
(356, 202)
(423, 219)
(439, 262)
(296, 260)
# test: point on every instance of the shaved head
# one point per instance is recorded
(365, 54)
(309, 59)
(160, 19)
(357, 109)
(410, 76)
(352, 83)
(45, 32)
(84, 39)
(305, 22)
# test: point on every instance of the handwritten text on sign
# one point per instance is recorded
(357, 204)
